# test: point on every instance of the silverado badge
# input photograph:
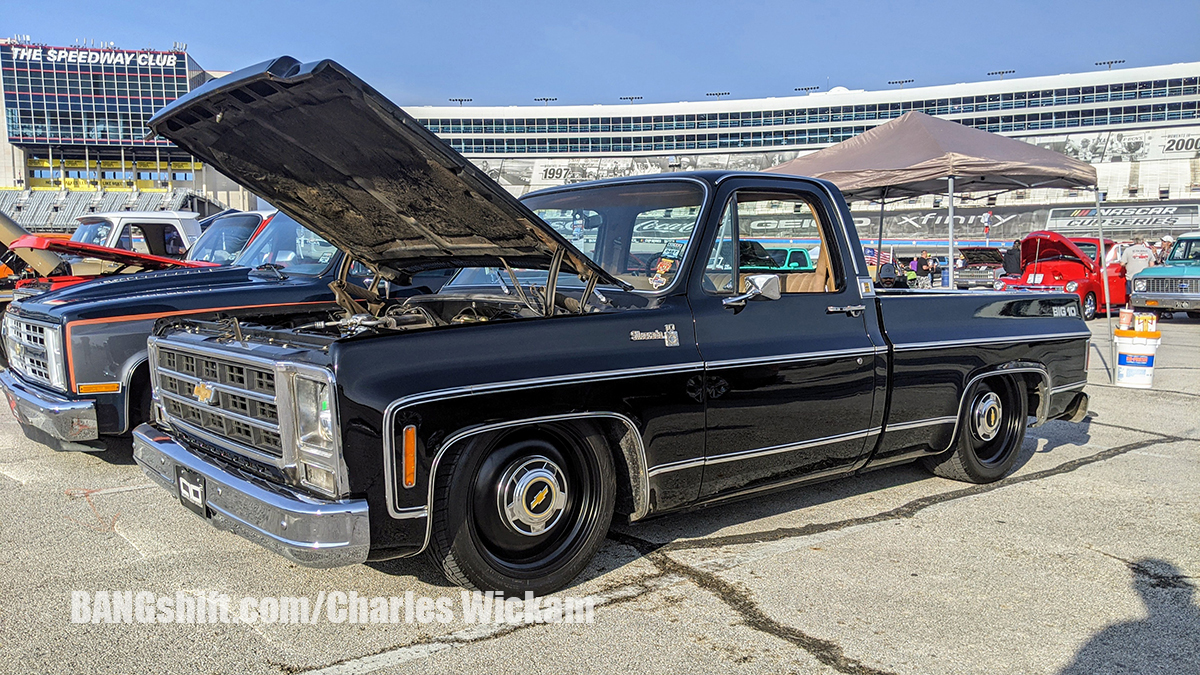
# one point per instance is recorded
(205, 393)
(668, 335)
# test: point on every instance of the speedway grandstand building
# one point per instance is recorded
(74, 134)
(75, 142)
(1138, 126)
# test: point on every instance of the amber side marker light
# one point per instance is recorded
(410, 456)
(100, 388)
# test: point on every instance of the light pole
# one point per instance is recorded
(717, 94)
(545, 100)
(900, 82)
(460, 101)
(631, 99)
(805, 89)
(1110, 64)
(1001, 73)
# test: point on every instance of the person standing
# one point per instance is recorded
(1012, 259)
(1135, 259)
(924, 270)
(1164, 248)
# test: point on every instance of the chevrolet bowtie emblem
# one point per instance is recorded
(541, 496)
(205, 393)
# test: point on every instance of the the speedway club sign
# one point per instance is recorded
(91, 56)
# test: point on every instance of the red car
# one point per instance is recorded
(1052, 262)
(124, 260)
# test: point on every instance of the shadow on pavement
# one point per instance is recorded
(1058, 433)
(1166, 641)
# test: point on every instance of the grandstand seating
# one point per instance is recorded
(56, 211)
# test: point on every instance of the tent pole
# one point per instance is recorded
(1112, 344)
(950, 255)
(879, 249)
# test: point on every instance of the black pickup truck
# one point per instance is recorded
(500, 423)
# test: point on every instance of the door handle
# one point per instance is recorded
(850, 310)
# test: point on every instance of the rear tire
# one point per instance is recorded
(990, 434)
(523, 510)
(1194, 315)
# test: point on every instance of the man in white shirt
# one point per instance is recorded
(1135, 259)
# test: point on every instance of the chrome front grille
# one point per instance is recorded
(26, 346)
(226, 399)
(976, 273)
(1165, 285)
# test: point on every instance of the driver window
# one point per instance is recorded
(771, 233)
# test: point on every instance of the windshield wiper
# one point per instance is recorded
(274, 267)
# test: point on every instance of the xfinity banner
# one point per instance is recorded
(1004, 224)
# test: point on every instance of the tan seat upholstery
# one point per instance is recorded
(817, 281)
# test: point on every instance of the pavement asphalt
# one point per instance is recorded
(1085, 559)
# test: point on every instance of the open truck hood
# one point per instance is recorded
(42, 261)
(116, 255)
(1044, 245)
(982, 256)
(327, 149)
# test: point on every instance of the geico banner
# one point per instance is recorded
(92, 56)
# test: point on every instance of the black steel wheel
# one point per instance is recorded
(524, 510)
(990, 433)
(1089, 307)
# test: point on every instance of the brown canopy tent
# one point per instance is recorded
(917, 154)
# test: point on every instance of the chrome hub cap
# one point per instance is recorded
(532, 495)
(986, 416)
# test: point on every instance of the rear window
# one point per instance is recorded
(225, 238)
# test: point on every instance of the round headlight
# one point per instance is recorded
(1139, 284)
(1071, 286)
(999, 285)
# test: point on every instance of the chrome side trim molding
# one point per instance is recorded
(996, 340)
(790, 358)
(916, 424)
(776, 449)
(635, 458)
(1068, 387)
(762, 452)
(676, 466)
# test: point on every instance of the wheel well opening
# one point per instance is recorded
(623, 444)
(139, 390)
(1033, 392)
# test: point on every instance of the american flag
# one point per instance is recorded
(873, 259)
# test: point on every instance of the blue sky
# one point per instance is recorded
(507, 53)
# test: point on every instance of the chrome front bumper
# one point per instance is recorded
(60, 417)
(305, 530)
(1177, 302)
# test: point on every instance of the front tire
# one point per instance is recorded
(990, 434)
(1089, 307)
(524, 510)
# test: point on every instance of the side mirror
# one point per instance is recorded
(757, 285)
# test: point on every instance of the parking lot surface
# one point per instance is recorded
(1084, 560)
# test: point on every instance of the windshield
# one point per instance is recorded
(1186, 249)
(290, 246)
(225, 238)
(638, 232)
(95, 232)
